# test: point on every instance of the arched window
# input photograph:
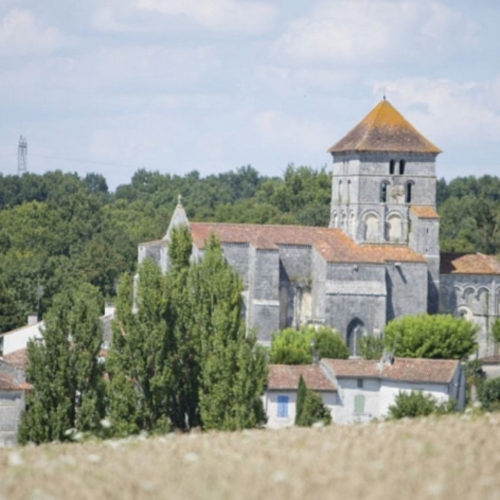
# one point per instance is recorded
(355, 332)
(402, 165)
(383, 191)
(408, 192)
(349, 191)
(340, 192)
(392, 165)
(371, 227)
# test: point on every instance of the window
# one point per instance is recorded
(359, 404)
(283, 406)
(402, 164)
(359, 383)
(408, 193)
(383, 191)
(340, 192)
(392, 165)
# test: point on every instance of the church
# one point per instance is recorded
(378, 259)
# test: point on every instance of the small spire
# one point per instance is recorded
(384, 97)
(179, 200)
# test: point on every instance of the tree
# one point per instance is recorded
(417, 404)
(291, 346)
(371, 347)
(489, 394)
(313, 410)
(296, 347)
(232, 367)
(301, 396)
(10, 315)
(329, 344)
(141, 379)
(181, 357)
(68, 387)
(495, 331)
(425, 336)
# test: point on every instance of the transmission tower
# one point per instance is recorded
(22, 156)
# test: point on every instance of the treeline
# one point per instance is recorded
(58, 229)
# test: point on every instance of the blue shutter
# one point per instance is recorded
(283, 406)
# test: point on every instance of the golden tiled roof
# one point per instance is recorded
(281, 377)
(424, 212)
(439, 371)
(471, 263)
(384, 129)
(332, 244)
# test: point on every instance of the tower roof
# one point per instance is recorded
(179, 218)
(384, 129)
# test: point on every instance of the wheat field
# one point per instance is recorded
(449, 457)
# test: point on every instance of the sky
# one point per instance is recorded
(111, 86)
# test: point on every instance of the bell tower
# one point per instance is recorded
(381, 168)
(384, 187)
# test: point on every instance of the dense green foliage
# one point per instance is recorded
(489, 394)
(181, 357)
(469, 208)
(58, 228)
(430, 336)
(495, 331)
(371, 347)
(299, 401)
(313, 410)
(68, 387)
(298, 347)
(417, 404)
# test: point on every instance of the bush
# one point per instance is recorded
(295, 347)
(313, 410)
(329, 344)
(495, 331)
(371, 347)
(417, 404)
(438, 336)
(489, 394)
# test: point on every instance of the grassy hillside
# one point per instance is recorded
(448, 457)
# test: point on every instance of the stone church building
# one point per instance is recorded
(378, 259)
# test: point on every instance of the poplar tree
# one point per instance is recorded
(64, 370)
(232, 366)
(141, 379)
(301, 396)
(179, 354)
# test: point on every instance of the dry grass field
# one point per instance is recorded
(450, 457)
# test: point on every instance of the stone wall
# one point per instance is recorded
(475, 297)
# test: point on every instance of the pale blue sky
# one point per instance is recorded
(110, 86)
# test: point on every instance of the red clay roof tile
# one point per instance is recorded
(424, 212)
(403, 369)
(333, 244)
(281, 377)
(472, 263)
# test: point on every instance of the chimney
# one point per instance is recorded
(32, 319)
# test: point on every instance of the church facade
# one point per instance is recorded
(379, 258)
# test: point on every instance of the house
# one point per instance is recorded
(358, 390)
(377, 260)
(280, 396)
(13, 389)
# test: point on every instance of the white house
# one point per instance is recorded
(366, 389)
(357, 390)
(18, 339)
(282, 383)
